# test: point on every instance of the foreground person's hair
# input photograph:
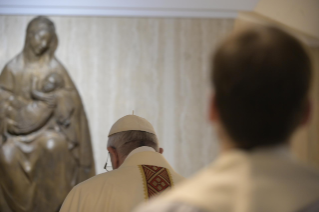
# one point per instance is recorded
(261, 77)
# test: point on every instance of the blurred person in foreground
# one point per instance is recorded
(140, 171)
(261, 78)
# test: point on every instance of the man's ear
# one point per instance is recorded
(161, 150)
(307, 113)
(114, 157)
(213, 112)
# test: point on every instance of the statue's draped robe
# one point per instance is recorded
(40, 159)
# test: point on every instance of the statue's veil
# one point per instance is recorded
(41, 23)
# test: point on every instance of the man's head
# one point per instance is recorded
(127, 134)
(261, 77)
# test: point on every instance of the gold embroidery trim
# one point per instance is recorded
(144, 182)
(170, 177)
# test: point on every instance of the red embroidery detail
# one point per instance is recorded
(157, 179)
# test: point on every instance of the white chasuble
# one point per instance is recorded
(141, 176)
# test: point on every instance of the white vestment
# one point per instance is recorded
(265, 180)
(143, 174)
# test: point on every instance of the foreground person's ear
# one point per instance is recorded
(114, 157)
(213, 112)
(307, 113)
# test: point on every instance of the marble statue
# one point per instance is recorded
(45, 146)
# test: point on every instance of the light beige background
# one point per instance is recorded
(301, 15)
(155, 66)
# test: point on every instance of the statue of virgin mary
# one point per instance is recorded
(45, 145)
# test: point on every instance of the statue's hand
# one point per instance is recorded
(50, 99)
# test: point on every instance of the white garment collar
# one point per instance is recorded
(140, 149)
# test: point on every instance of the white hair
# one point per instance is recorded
(125, 142)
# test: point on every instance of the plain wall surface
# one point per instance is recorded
(301, 15)
(157, 67)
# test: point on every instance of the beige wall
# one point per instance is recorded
(155, 66)
(301, 15)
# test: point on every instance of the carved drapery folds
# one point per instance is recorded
(45, 146)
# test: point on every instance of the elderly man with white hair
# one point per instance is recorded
(140, 171)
